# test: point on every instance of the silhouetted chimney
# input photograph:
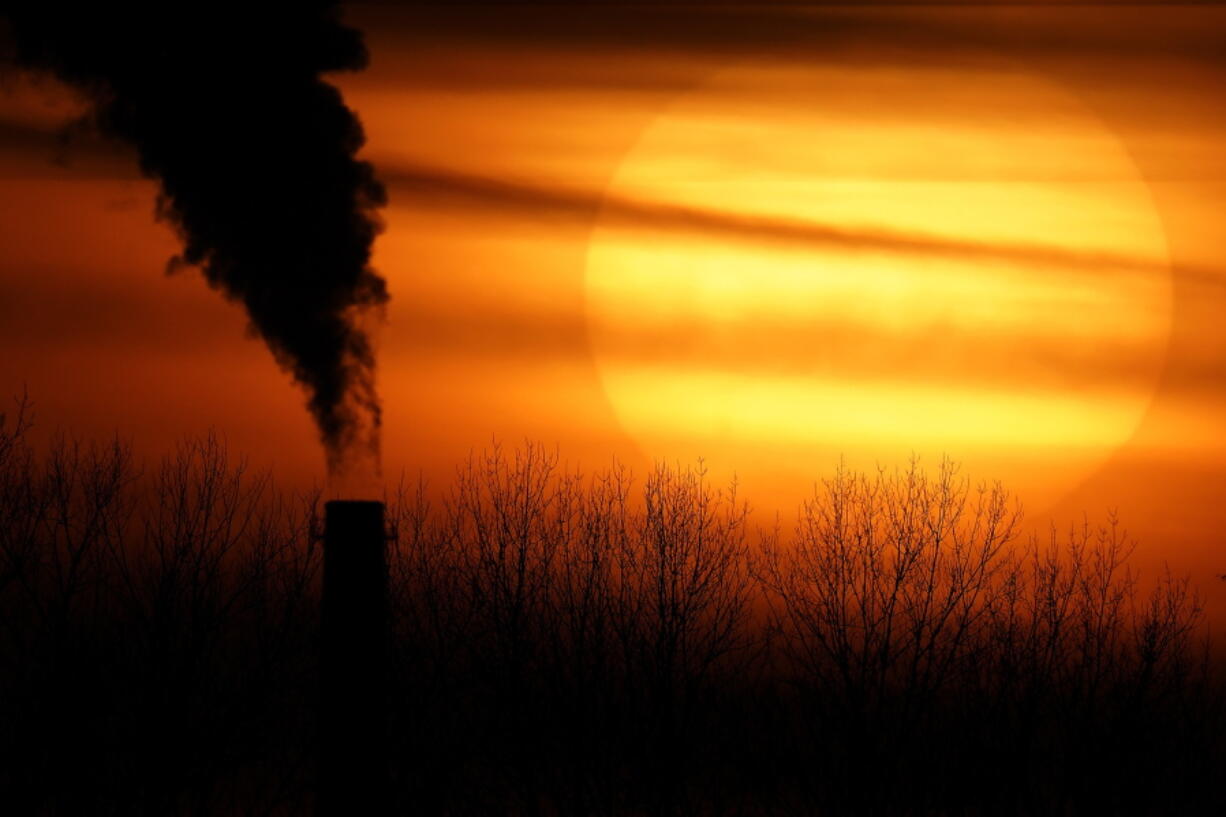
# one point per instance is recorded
(353, 749)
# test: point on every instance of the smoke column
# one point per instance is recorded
(255, 156)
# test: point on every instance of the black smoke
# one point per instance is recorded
(255, 156)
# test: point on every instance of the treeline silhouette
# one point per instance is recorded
(591, 645)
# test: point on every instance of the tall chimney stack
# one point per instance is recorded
(354, 776)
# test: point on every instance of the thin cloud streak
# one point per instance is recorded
(87, 153)
(437, 187)
(885, 33)
(822, 346)
(434, 186)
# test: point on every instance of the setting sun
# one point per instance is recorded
(782, 351)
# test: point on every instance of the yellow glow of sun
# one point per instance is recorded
(776, 357)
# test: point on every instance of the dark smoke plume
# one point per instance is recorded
(254, 153)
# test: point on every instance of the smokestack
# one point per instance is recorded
(353, 752)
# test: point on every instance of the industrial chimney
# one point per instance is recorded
(354, 639)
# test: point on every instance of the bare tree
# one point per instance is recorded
(907, 616)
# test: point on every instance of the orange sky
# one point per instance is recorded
(768, 237)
